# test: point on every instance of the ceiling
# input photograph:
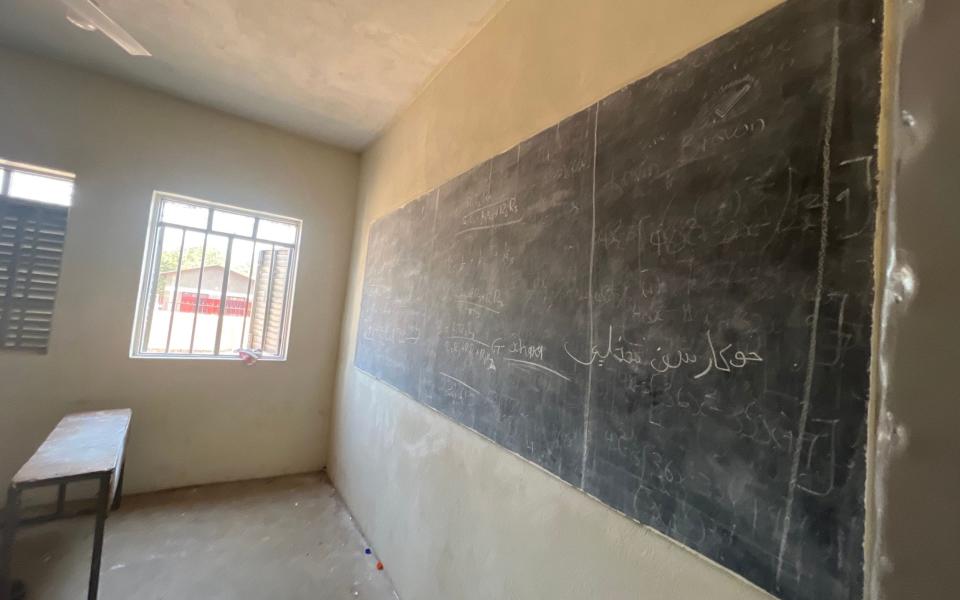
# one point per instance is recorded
(334, 70)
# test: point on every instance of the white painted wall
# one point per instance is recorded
(194, 421)
(451, 514)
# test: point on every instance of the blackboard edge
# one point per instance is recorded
(668, 62)
(647, 529)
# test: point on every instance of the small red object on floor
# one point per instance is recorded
(379, 566)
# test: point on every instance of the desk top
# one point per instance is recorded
(81, 444)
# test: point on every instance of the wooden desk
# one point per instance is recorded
(82, 447)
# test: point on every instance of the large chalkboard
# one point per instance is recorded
(666, 299)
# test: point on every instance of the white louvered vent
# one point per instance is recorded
(269, 300)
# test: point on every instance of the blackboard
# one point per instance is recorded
(393, 318)
(666, 299)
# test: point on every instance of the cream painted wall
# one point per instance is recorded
(451, 514)
(194, 421)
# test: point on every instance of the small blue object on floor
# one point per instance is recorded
(368, 551)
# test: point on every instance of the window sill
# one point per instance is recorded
(205, 358)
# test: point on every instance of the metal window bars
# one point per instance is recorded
(263, 299)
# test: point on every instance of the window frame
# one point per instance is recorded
(152, 249)
(33, 325)
(8, 167)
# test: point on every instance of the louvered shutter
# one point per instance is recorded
(31, 247)
(266, 322)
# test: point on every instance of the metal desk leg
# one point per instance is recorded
(61, 498)
(117, 495)
(10, 522)
(103, 499)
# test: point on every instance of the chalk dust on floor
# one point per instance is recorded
(286, 538)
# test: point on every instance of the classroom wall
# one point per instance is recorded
(193, 421)
(451, 514)
(914, 549)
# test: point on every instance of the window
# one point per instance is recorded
(34, 203)
(216, 280)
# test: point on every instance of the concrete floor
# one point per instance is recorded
(287, 538)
